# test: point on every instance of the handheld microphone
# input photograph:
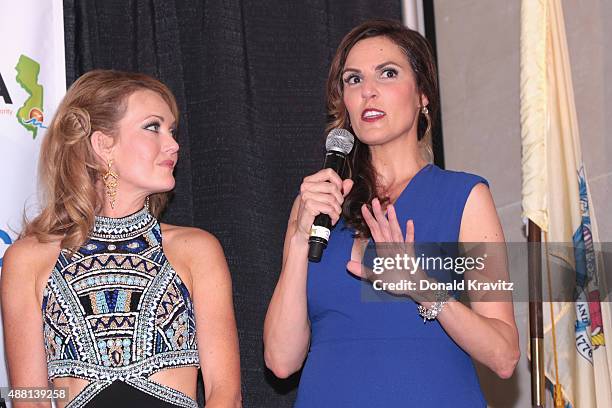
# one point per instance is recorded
(339, 143)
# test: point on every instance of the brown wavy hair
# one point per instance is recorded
(419, 54)
(68, 166)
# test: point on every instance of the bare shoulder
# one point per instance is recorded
(480, 198)
(26, 265)
(189, 238)
(194, 247)
(480, 222)
(28, 256)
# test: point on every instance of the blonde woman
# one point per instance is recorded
(97, 295)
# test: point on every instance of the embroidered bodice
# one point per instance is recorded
(117, 310)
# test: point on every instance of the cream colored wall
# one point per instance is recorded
(478, 56)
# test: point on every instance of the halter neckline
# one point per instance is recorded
(108, 226)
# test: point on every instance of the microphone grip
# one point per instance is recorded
(319, 236)
(321, 227)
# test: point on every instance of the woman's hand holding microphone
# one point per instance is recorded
(320, 193)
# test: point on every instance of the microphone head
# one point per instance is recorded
(340, 140)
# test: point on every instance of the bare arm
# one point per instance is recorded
(22, 318)
(215, 321)
(287, 328)
(487, 331)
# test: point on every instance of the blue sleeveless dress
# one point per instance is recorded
(381, 354)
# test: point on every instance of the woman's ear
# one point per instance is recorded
(102, 144)
(424, 100)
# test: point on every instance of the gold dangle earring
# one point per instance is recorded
(111, 179)
(425, 112)
(426, 141)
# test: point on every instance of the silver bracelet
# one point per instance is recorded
(432, 313)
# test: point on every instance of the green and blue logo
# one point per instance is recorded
(30, 115)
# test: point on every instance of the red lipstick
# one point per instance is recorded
(372, 115)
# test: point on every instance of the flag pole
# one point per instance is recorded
(536, 328)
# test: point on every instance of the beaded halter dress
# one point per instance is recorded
(116, 312)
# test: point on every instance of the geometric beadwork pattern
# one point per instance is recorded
(117, 310)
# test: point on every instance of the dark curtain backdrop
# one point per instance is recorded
(249, 78)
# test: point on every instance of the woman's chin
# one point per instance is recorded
(163, 187)
(374, 140)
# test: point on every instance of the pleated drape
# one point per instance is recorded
(249, 77)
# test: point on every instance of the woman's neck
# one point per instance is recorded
(122, 209)
(125, 203)
(396, 162)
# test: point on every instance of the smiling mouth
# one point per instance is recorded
(372, 115)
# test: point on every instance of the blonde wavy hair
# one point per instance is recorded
(68, 166)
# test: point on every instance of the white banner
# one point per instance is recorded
(32, 83)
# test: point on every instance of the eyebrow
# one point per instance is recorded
(378, 67)
(161, 118)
